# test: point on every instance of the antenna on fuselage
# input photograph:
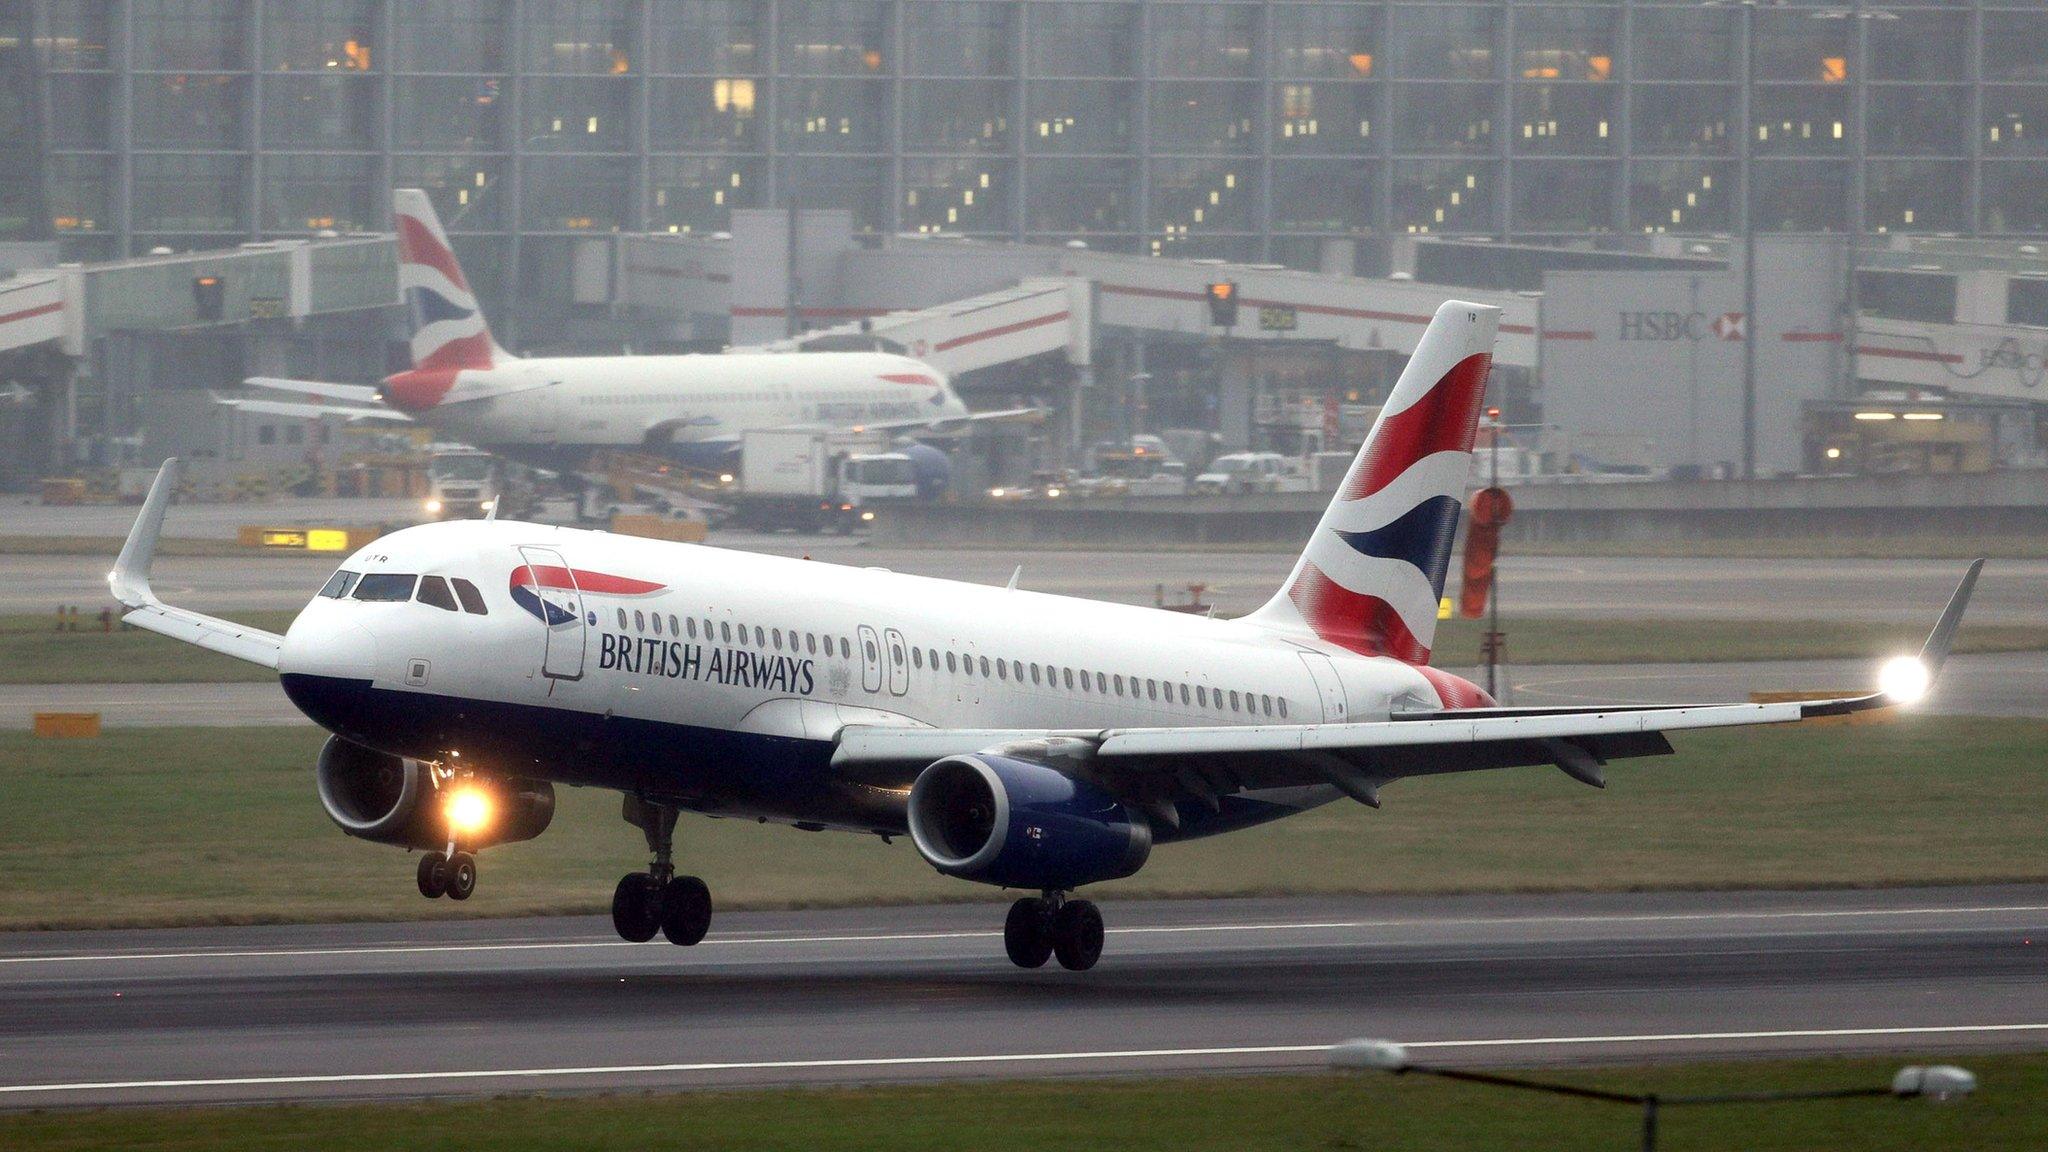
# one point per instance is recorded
(1012, 585)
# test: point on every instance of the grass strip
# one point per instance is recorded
(32, 651)
(195, 826)
(1237, 1113)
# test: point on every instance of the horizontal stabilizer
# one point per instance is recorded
(288, 408)
(353, 393)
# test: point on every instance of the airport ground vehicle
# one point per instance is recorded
(463, 483)
(1021, 740)
(814, 480)
(1238, 473)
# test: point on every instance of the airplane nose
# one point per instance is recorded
(333, 649)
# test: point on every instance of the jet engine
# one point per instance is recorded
(390, 799)
(1017, 823)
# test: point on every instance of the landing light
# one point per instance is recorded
(433, 505)
(867, 515)
(725, 477)
(1905, 679)
(1052, 493)
(996, 492)
(469, 810)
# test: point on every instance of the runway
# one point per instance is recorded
(478, 1007)
(1908, 593)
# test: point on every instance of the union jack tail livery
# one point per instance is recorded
(449, 333)
(1372, 574)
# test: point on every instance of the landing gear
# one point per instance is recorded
(453, 876)
(1053, 926)
(658, 900)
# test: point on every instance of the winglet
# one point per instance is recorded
(129, 580)
(1935, 652)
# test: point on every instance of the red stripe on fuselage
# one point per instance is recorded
(417, 245)
(1455, 691)
(1365, 624)
(583, 580)
(1444, 420)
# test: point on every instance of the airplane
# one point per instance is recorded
(559, 412)
(1021, 740)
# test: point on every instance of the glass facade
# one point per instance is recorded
(1251, 130)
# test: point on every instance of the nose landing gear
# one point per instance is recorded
(1053, 926)
(657, 900)
(451, 875)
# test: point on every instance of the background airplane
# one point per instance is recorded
(1021, 740)
(557, 412)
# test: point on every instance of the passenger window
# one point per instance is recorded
(339, 584)
(725, 630)
(917, 657)
(1069, 677)
(657, 623)
(1183, 694)
(674, 628)
(386, 586)
(935, 659)
(1002, 670)
(639, 621)
(1202, 695)
(1266, 705)
(760, 641)
(1034, 675)
(845, 649)
(1152, 689)
(434, 590)
(776, 635)
(868, 647)
(1233, 701)
(1119, 681)
(984, 667)
(622, 619)
(1283, 707)
(1101, 684)
(472, 600)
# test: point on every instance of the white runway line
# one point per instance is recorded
(1180, 929)
(1003, 1058)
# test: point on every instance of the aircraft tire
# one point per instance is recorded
(1077, 935)
(1024, 934)
(461, 876)
(433, 875)
(685, 910)
(636, 907)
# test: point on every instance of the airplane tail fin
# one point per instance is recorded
(449, 332)
(1372, 574)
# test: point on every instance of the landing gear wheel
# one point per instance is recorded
(636, 907)
(461, 876)
(1024, 934)
(685, 910)
(1077, 935)
(433, 875)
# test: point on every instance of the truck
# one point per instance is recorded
(463, 483)
(819, 480)
(1237, 473)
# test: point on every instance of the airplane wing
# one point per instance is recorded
(927, 423)
(310, 411)
(129, 582)
(1154, 766)
(353, 393)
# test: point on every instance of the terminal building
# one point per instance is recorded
(1363, 155)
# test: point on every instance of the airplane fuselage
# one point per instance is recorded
(557, 411)
(717, 679)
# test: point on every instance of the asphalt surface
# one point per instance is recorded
(1991, 684)
(1902, 591)
(477, 1007)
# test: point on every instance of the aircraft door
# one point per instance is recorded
(547, 588)
(1328, 685)
(542, 407)
(899, 663)
(870, 659)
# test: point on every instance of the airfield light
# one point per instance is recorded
(1834, 453)
(1905, 680)
(725, 477)
(1052, 493)
(867, 515)
(469, 810)
(997, 493)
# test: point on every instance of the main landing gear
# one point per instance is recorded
(658, 900)
(1053, 925)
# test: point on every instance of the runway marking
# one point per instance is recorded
(999, 1058)
(1158, 930)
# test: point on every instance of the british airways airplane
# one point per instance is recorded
(1022, 740)
(558, 412)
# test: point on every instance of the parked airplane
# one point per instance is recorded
(557, 412)
(1022, 740)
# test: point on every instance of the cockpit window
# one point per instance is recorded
(434, 590)
(472, 600)
(386, 586)
(339, 584)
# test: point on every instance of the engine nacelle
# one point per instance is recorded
(1019, 824)
(389, 799)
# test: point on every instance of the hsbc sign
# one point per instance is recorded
(1688, 326)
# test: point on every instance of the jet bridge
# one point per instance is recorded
(1038, 316)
